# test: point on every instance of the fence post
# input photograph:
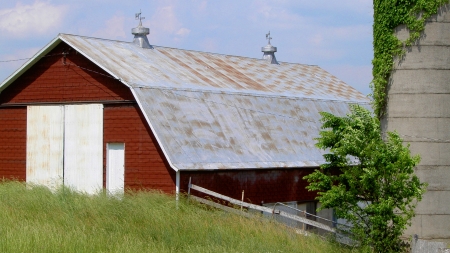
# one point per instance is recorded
(189, 187)
(304, 215)
(242, 200)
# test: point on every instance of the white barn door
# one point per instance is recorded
(115, 167)
(83, 147)
(45, 133)
(65, 146)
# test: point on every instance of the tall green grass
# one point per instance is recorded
(33, 219)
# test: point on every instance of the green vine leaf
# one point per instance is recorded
(387, 16)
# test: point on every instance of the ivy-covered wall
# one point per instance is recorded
(388, 14)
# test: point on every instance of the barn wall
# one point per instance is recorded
(50, 80)
(145, 165)
(268, 185)
(13, 136)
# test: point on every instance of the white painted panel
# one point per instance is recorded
(45, 130)
(115, 168)
(83, 147)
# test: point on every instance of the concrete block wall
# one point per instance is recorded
(419, 109)
(425, 246)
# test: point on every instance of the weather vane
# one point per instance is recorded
(138, 16)
(268, 37)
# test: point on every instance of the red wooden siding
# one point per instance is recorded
(268, 185)
(13, 136)
(145, 164)
(49, 80)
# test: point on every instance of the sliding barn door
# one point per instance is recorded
(45, 151)
(83, 147)
(64, 146)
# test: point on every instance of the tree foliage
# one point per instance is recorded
(367, 180)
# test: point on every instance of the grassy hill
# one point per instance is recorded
(33, 219)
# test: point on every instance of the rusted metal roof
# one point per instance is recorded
(184, 69)
(212, 111)
(213, 130)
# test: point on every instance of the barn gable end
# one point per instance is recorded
(64, 77)
(58, 78)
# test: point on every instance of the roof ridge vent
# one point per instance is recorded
(140, 33)
(269, 51)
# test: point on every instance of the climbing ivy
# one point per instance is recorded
(388, 14)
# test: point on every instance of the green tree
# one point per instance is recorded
(367, 179)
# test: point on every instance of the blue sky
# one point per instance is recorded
(336, 35)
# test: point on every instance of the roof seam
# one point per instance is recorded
(272, 161)
(298, 161)
(247, 94)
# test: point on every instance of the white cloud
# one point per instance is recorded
(166, 25)
(208, 45)
(165, 19)
(325, 37)
(272, 14)
(202, 6)
(354, 6)
(316, 39)
(183, 32)
(37, 18)
(354, 32)
(114, 28)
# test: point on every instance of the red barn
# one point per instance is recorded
(92, 113)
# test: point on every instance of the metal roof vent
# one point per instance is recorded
(140, 33)
(269, 51)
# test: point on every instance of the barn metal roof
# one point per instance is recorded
(213, 111)
(210, 130)
(184, 69)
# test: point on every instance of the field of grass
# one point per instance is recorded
(33, 219)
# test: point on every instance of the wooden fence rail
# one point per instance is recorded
(252, 206)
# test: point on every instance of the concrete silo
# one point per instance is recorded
(418, 107)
